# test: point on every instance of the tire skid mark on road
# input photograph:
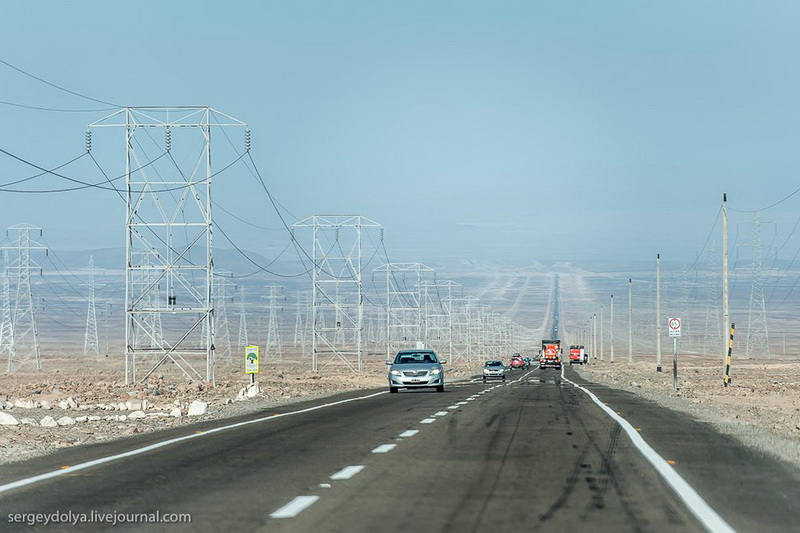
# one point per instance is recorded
(707, 516)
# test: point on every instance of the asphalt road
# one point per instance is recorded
(533, 454)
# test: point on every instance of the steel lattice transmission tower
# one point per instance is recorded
(437, 298)
(274, 348)
(221, 324)
(757, 333)
(713, 331)
(91, 341)
(168, 199)
(337, 298)
(243, 342)
(302, 320)
(404, 320)
(7, 327)
(24, 324)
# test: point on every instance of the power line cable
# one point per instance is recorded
(60, 88)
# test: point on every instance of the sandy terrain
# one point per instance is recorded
(761, 406)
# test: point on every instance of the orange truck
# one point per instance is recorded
(550, 354)
(577, 355)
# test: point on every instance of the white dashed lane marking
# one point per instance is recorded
(295, 507)
(409, 433)
(347, 472)
(441, 413)
(383, 448)
(427, 421)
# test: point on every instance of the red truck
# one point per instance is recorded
(577, 355)
(550, 354)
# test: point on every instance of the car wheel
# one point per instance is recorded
(393, 390)
(440, 388)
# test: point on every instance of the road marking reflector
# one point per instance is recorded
(347, 472)
(295, 507)
(671, 461)
(383, 448)
(409, 433)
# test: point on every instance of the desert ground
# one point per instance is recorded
(45, 410)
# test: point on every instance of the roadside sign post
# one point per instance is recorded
(674, 325)
(251, 362)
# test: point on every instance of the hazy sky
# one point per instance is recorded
(473, 129)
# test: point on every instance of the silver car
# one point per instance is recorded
(494, 370)
(416, 369)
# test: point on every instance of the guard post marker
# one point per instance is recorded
(727, 377)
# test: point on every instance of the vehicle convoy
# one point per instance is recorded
(550, 354)
(577, 355)
(416, 369)
(494, 370)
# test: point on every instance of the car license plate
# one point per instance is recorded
(416, 380)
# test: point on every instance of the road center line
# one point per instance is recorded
(427, 421)
(151, 447)
(409, 433)
(440, 413)
(294, 507)
(694, 502)
(383, 448)
(347, 472)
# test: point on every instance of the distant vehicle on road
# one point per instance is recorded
(416, 369)
(517, 362)
(550, 355)
(494, 370)
(578, 355)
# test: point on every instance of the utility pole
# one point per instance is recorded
(602, 344)
(91, 342)
(726, 313)
(630, 320)
(658, 312)
(611, 358)
(594, 335)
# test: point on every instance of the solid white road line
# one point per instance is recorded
(348, 472)
(696, 504)
(409, 433)
(145, 449)
(383, 448)
(294, 507)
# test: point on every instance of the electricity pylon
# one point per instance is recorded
(221, 323)
(757, 334)
(91, 342)
(25, 326)
(404, 325)
(7, 327)
(713, 331)
(168, 200)
(274, 349)
(337, 301)
(243, 342)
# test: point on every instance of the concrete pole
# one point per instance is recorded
(594, 336)
(658, 312)
(726, 313)
(611, 333)
(601, 332)
(630, 321)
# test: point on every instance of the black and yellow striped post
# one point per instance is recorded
(727, 377)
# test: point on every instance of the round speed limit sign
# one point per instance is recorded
(674, 327)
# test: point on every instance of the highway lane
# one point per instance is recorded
(535, 454)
